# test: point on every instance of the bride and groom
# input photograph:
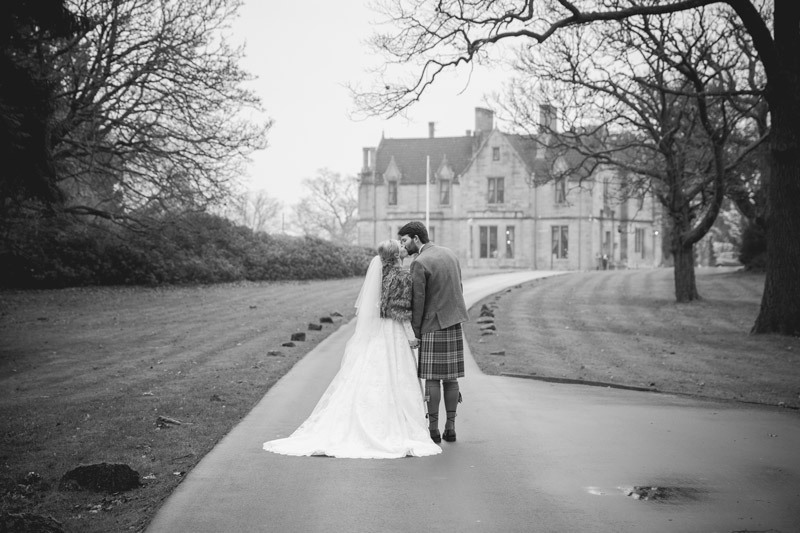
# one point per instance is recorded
(375, 406)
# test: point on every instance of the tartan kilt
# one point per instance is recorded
(441, 354)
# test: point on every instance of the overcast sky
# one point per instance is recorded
(304, 54)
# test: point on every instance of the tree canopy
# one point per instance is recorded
(329, 207)
(671, 103)
(145, 107)
(425, 39)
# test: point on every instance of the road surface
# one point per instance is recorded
(530, 457)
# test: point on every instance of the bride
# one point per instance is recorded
(373, 408)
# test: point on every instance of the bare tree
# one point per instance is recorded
(659, 99)
(432, 37)
(329, 208)
(149, 107)
(254, 209)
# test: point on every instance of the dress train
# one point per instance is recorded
(373, 407)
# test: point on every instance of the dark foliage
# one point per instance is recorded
(60, 251)
(753, 253)
(26, 97)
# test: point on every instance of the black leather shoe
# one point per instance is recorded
(449, 435)
(435, 437)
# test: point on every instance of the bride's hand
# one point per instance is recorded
(414, 343)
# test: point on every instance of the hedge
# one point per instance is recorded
(187, 249)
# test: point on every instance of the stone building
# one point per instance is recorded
(493, 199)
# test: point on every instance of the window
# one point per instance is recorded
(561, 191)
(495, 154)
(560, 241)
(623, 242)
(444, 192)
(392, 193)
(638, 244)
(606, 191)
(432, 234)
(510, 242)
(488, 241)
(496, 186)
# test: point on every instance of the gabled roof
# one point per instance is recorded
(410, 155)
(528, 146)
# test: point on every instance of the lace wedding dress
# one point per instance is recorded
(373, 407)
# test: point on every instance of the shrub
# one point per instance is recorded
(190, 248)
(753, 253)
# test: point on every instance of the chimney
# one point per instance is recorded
(469, 133)
(431, 128)
(484, 120)
(369, 159)
(548, 119)
(365, 165)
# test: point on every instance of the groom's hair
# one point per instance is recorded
(415, 228)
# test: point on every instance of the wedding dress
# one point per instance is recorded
(373, 407)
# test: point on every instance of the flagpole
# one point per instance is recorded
(427, 193)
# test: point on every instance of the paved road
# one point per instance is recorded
(531, 456)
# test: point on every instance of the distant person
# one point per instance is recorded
(373, 407)
(437, 311)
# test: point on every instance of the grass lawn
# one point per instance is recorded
(624, 328)
(85, 373)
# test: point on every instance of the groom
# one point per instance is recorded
(437, 311)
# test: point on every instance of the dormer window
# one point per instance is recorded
(496, 153)
(561, 190)
(392, 192)
(444, 192)
(496, 190)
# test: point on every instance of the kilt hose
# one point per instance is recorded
(441, 354)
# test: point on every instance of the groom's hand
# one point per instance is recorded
(414, 343)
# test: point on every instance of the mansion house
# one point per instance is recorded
(491, 201)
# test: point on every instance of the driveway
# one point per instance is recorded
(530, 456)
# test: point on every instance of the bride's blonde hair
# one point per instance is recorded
(389, 251)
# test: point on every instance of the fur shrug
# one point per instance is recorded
(396, 293)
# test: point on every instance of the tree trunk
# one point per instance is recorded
(780, 305)
(685, 285)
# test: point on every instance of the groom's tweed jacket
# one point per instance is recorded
(438, 298)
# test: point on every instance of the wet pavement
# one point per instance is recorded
(530, 456)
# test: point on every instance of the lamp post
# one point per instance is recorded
(470, 252)
(427, 192)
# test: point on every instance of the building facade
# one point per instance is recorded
(493, 199)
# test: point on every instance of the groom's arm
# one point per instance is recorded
(419, 281)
